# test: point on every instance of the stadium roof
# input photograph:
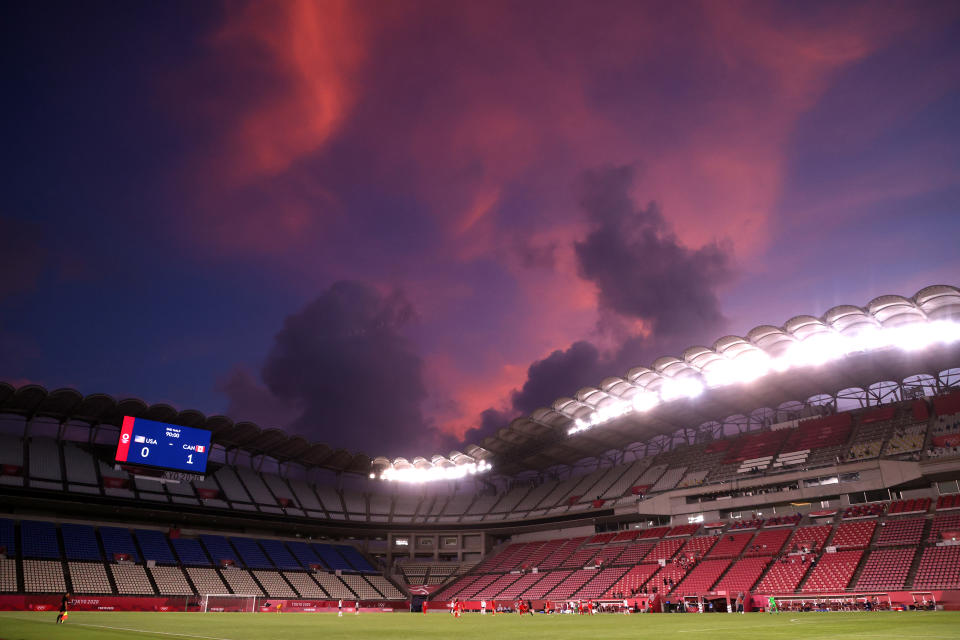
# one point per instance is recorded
(541, 440)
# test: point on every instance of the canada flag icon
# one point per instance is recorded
(201, 448)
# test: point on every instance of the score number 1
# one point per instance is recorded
(146, 452)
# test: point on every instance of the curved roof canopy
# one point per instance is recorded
(656, 400)
(543, 438)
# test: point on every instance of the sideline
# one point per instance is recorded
(102, 626)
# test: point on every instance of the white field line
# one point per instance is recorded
(101, 626)
(162, 633)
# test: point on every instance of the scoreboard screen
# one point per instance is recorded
(157, 444)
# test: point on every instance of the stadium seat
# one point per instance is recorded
(359, 585)
(767, 542)
(385, 587)
(251, 553)
(43, 576)
(901, 531)
(702, 577)
(939, 568)
(220, 550)
(833, 571)
(682, 530)
(190, 552)
(241, 582)
(494, 587)
(305, 586)
(941, 523)
(580, 558)
(304, 554)
(729, 545)
(8, 575)
(333, 586)
(698, 546)
(131, 579)
(170, 581)
(783, 575)
(331, 558)
(810, 538)
(274, 584)
(520, 587)
(279, 555)
(117, 540)
(80, 542)
(854, 535)
(664, 550)
(572, 584)
(634, 553)
(355, 558)
(886, 569)
(206, 580)
(89, 577)
(742, 575)
(633, 580)
(547, 584)
(39, 539)
(154, 546)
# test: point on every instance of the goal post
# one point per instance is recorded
(229, 602)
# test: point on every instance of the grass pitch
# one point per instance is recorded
(83, 625)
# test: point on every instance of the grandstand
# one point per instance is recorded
(842, 480)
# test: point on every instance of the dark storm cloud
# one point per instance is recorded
(642, 272)
(344, 364)
(639, 266)
(491, 421)
(559, 373)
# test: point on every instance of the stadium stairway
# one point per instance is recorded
(914, 568)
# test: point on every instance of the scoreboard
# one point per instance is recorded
(168, 446)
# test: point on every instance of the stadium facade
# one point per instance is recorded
(817, 460)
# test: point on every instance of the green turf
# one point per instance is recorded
(440, 626)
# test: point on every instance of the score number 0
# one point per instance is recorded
(146, 451)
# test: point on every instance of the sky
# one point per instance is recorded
(395, 226)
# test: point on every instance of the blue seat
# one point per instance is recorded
(154, 546)
(251, 553)
(303, 553)
(279, 555)
(39, 539)
(355, 558)
(118, 540)
(219, 549)
(80, 542)
(190, 552)
(331, 558)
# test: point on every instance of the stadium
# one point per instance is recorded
(811, 467)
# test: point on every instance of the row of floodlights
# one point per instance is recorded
(817, 349)
(429, 474)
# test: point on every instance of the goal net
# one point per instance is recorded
(229, 602)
